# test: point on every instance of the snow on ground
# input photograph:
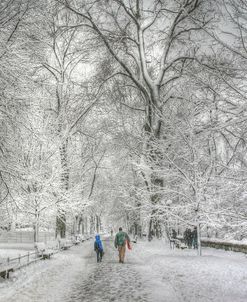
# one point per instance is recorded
(152, 273)
(74, 275)
(48, 280)
(17, 246)
(5, 253)
(216, 276)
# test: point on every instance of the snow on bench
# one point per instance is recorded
(65, 244)
(53, 244)
(76, 241)
(5, 270)
(43, 251)
(179, 244)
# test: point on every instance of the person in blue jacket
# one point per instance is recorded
(98, 247)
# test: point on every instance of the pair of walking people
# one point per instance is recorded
(120, 242)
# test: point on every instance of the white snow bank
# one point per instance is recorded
(5, 253)
(216, 276)
(17, 246)
(47, 280)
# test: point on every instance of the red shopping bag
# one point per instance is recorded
(128, 245)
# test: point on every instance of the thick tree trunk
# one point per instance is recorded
(86, 224)
(199, 246)
(36, 231)
(36, 224)
(92, 224)
(155, 224)
(137, 225)
(97, 223)
(61, 217)
(81, 225)
(153, 133)
(61, 225)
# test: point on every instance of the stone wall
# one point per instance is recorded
(235, 246)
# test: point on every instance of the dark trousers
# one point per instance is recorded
(194, 243)
(99, 255)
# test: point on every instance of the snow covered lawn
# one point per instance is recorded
(17, 246)
(216, 276)
(152, 273)
(5, 253)
(46, 280)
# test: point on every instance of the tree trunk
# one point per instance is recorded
(92, 224)
(86, 224)
(61, 225)
(199, 246)
(97, 224)
(153, 131)
(155, 224)
(36, 224)
(61, 217)
(150, 229)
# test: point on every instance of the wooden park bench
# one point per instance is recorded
(65, 244)
(12, 264)
(43, 251)
(6, 269)
(76, 241)
(88, 237)
(179, 244)
(83, 238)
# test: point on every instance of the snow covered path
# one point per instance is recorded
(74, 275)
(110, 281)
(152, 273)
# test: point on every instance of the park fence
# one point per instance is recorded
(25, 236)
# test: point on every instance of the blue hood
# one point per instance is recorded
(98, 242)
(97, 237)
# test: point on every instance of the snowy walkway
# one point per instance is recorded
(110, 281)
(74, 275)
(152, 273)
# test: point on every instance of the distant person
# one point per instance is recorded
(174, 234)
(98, 247)
(111, 232)
(120, 243)
(194, 238)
